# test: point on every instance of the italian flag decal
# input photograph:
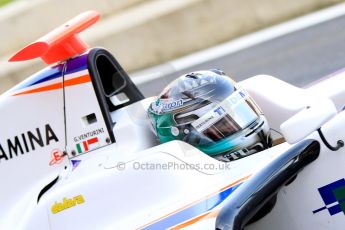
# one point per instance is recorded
(87, 145)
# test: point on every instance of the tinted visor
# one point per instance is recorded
(225, 127)
(233, 114)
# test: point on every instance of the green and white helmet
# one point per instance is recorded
(208, 110)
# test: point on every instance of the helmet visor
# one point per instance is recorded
(233, 114)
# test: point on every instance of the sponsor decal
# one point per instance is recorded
(175, 131)
(75, 164)
(57, 157)
(333, 196)
(157, 106)
(209, 119)
(67, 203)
(172, 105)
(243, 152)
(164, 105)
(27, 142)
(87, 145)
(235, 99)
(220, 111)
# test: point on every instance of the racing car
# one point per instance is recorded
(77, 152)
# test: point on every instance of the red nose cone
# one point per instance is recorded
(60, 44)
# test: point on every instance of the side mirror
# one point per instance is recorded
(308, 120)
(115, 84)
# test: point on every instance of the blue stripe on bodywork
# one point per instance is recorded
(193, 211)
(41, 76)
(74, 65)
(77, 64)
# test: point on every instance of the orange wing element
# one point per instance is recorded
(60, 44)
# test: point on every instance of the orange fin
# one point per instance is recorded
(60, 44)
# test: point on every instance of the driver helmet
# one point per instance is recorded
(208, 110)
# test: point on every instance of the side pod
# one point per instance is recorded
(247, 201)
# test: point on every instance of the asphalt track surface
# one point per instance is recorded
(299, 58)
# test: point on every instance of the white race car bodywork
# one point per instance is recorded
(85, 156)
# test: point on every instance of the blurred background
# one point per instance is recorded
(141, 33)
